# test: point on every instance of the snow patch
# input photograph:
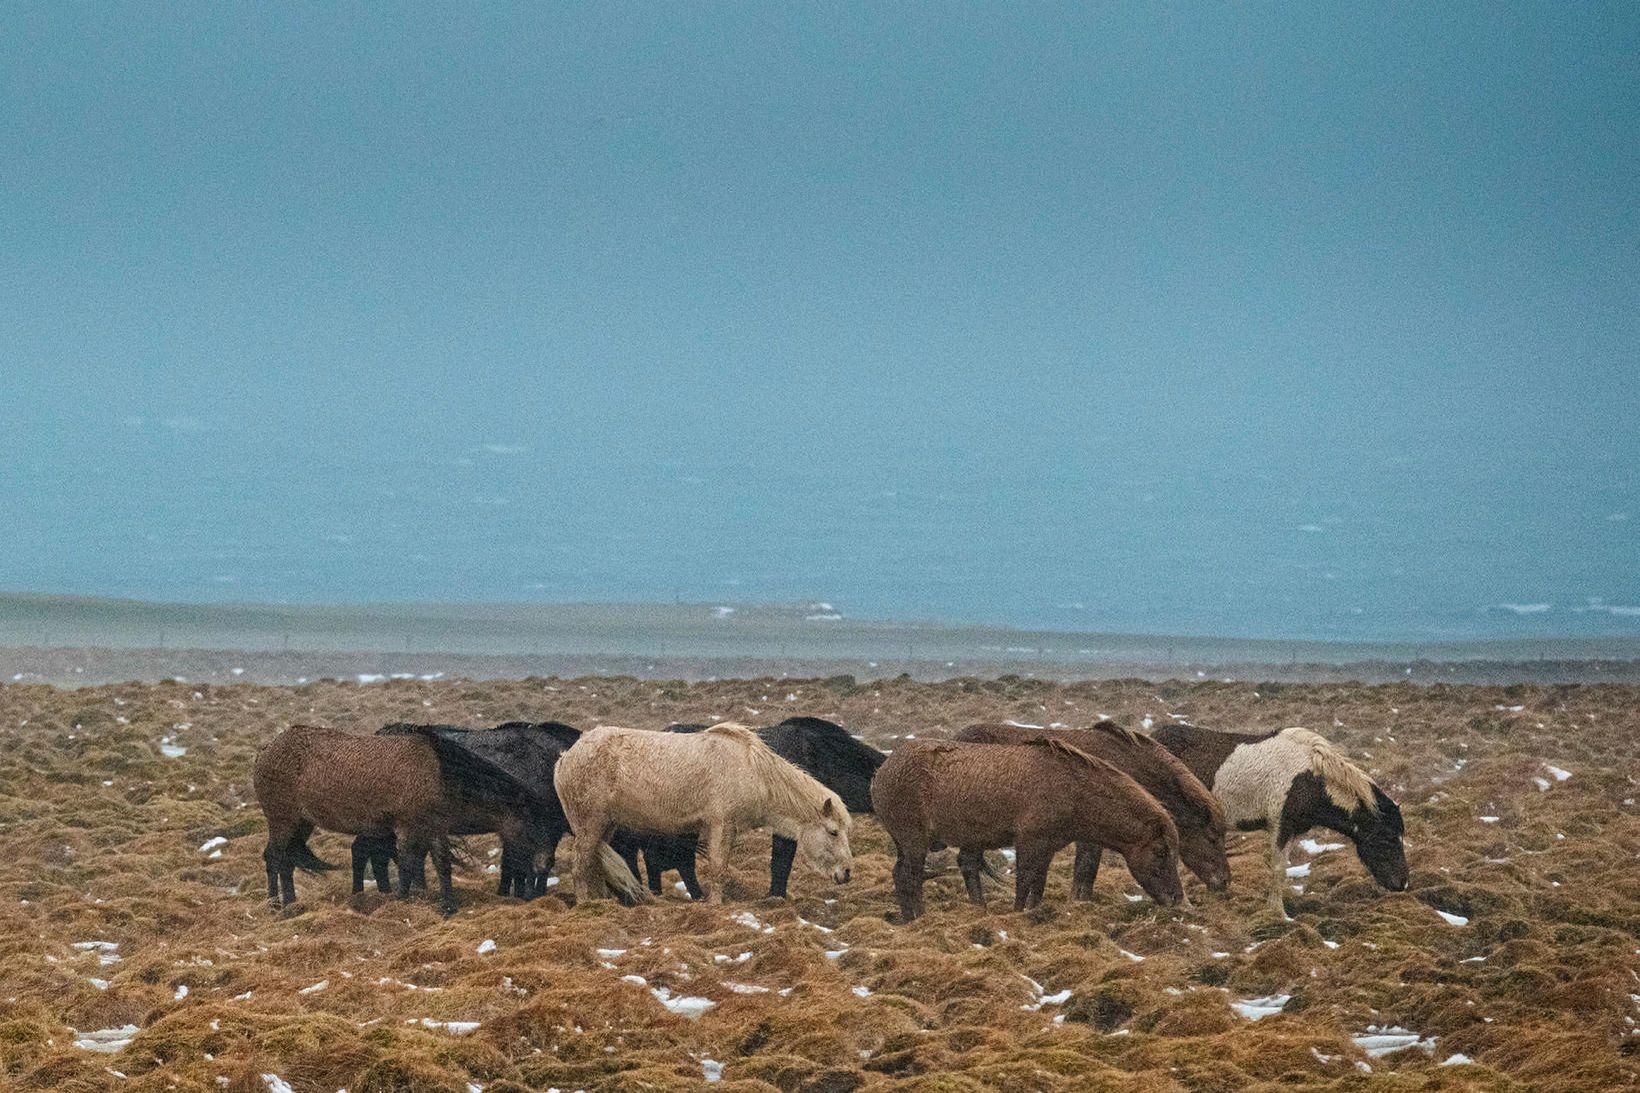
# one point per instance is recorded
(1256, 1009)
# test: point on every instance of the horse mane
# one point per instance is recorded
(1346, 784)
(1071, 751)
(1192, 794)
(411, 728)
(470, 777)
(1111, 728)
(834, 740)
(789, 791)
(563, 734)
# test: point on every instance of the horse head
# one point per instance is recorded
(1155, 865)
(1201, 848)
(1378, 833)
(823, 841)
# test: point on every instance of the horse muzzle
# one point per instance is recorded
(841, 876)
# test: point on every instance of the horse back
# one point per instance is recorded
(830, 755)
(345, 782)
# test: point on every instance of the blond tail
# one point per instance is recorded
(620, 879)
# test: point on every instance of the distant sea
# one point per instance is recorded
(1393, 549)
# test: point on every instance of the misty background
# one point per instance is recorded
(1267, 321)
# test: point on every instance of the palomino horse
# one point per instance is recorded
(417, 788)
(820, 748)
(1195, 811)
(1289, 782)
(709, 784)
(1035, 797)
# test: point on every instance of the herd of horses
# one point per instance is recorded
(679, 797)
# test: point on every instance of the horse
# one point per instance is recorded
(708, 784)
(417, 787)
(1192, 805)
(1036, 796)
(527, 750)
(823, 749)
(1287, 782)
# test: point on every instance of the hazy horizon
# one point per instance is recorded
(1280, 322)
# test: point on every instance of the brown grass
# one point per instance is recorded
(1551, 891)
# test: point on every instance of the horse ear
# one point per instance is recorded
(826, 809)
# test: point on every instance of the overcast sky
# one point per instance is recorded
(1293, 240)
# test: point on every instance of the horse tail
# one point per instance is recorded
(303, 857)
(1346, 783)
(621, 880)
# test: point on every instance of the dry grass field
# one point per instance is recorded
(131, 898)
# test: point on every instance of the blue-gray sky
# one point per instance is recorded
(946, 311)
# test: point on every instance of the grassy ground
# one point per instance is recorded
(104, 838)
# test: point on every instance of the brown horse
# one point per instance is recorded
(1036, 797)
(1192, 805)
(417, 787)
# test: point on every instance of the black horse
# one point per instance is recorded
(526, 750)
(824, 749)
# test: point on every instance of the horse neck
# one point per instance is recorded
(1116, 819)
(784, 795)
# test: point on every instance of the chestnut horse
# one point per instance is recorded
(1192, 805)
(417, 787)
(1036, 797)
(709, 784)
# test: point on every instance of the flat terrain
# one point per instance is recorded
(76, 640)
(132, 892)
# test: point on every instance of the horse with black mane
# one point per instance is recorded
(1192, 805)
(823, 749)
(415, 787)
(1289, 781)
(527, 750)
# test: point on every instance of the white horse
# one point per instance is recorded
(710, 784)
(1288, 782)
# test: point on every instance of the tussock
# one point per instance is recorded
(1537, 989)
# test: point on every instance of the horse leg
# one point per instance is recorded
(273, 856)
(910, 861)
(1031, 862)
(1085, 870)
(590, 834)
(653, 871)
(545, 860)
(287, 875)
(691, 882)
(971, 862)
(782, 852)
(379, 856)
(719, 840)
(1278, 875)
(446, 887)
(412, 843)
(361, 856)
(507, 867)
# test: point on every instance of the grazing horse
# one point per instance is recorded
(823, 749)
(417, 788)
(709, 784)
(1195, 811)
(526, 750)
(1288, 782)
(1036, 797)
